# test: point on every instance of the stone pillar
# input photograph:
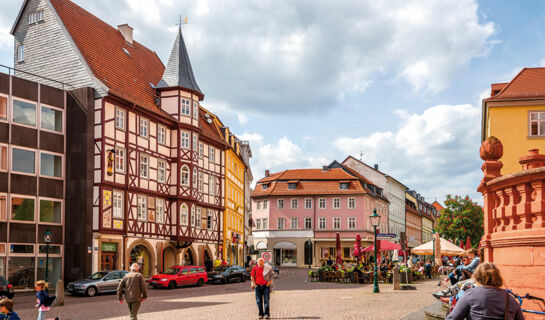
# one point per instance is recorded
(396, 278)
(59, 293)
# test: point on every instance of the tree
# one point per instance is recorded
(461, 218)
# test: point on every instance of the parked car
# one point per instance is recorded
(177, 276)
(98, 282)
(225, 274)
(6, 290)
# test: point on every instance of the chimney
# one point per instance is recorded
(267, 173)
(325, 168)
(126, 32)
(376, 166)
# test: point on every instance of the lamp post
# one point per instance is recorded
(375, 221)
(47, 240)
(309, 245)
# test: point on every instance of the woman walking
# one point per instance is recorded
(487, 301)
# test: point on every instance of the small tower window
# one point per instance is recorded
(21, 53)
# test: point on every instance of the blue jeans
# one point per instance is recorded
(262, 294)
(41, 315)
(455, 275)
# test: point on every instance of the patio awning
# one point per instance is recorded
(261, 245)
(285, 245)
(447, 249)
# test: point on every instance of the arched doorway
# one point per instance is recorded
(169, 258)
(308, 252)
(188, 258)
(208, 263)
(141, 255)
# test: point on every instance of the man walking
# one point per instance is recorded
(135, 290)
(262, 287)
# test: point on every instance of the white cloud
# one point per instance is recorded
(435, 152)
(242, 118)
(279, 56)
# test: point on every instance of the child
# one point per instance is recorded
(6, 310)
(43, 300)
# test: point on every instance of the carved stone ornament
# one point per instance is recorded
(491, 149)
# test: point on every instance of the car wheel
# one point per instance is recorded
(224, 281)
(91, 291)
(172, 285)
(200, 283)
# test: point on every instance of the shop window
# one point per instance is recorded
(50, 165)
(52, 249)
(54, 272)
(3, 158)
(24, 113)
(50, 211)
(21, 271)
(51, 119)
(23, 161)
(22, 209)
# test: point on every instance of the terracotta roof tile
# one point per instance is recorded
(528, 83)
(101, 45)
(310, 174)
(209, 130)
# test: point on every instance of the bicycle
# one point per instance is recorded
(527, 297)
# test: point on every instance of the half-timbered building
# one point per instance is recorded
(158, 171)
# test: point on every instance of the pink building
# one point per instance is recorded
(293, 206)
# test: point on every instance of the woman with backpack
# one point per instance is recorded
(43, 300)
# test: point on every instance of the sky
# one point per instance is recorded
(397, 83)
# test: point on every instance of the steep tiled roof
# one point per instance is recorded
(309, 182)
(528, 83)
(129, 76)
(495, 88)
(209, 129)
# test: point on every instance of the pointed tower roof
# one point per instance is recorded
(179, 72)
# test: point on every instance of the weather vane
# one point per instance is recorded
(185, 21)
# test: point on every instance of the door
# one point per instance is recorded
(277, 257)
(193, 278)
(183, 277)
(111, 281)
(107, 261)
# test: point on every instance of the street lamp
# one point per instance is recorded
(47, 240)
(309, 246)
(375, 221)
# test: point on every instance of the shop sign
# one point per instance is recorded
(267, 256)
(110, 247)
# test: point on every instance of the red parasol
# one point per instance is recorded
(338, 249)
(468, 244)
(462, 244)
(383, 245)
(357, 246)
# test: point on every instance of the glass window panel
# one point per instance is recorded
(52, 249)
(3, 158)
(24, 112)
(3, 267)
(51, 119)
(22, 209)
(21, 248)
(542, 128)
(50, 211)
(21, 272)
(3, 108)
(3, 209)
(54, 272)
(51, 165)
(23, 161)
(542, 115)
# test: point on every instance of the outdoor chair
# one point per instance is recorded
(329, 276)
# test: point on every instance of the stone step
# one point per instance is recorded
(435, 311)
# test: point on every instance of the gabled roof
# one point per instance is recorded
(309, 174)
(129, 75)
(209, 129)
(179, 72)
(528, 83)
(365, 164)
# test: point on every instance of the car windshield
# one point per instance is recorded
(221, 268)
(98, 275)
(171, 271)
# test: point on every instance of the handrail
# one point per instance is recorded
(10, 69)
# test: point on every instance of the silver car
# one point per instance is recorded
(98, 282)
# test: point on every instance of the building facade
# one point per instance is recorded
(395, 192)
(246, 153)
(514, 113)
(151, 188)
(413, 220)
(298, 213)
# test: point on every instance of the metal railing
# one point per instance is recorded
(11, 72)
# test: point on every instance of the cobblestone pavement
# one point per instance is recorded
(294, 298)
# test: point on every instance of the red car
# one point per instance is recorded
(177, 276)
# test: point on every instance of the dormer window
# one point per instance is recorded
(343, 185)
(292, 186)
(265, 186)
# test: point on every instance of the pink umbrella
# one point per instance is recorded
(338, 249)
(383, 245)
(468, 244)
(357, 246)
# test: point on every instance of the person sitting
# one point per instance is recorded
(468, 270)
(427, 269)
(457, 273)
(487, 300)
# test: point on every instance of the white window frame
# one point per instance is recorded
(195, 142)
(195, 110)
(211, 154)
(184, 139)
(31, 18)
(540, 122)
(322, 223)
(161, 171)
(52, 108)
(280, 203)
(195, 178)
(118, 204)
(193, 216)
(201, 150)
(10, 206)
(4, 148)
(40, 164)
(185, 106)
(258, 224)
(322, 201)
(211, 185)
(119, 159)
(258, 204)
(351, 222)
(144, 174)
(337, 223)
(265, 204)
(120, 118)
(39, 15)
(184, 169)
(36, 113)
(36, 161)
(144, 126)
(308, 223)
(8, 100)
(265, 223)
(294, 221)
(201, 182)
(37, 212)
(278, 224)
(209, 219)
(184, 214)
(198, 218)
(161, 134)
(296, 203)
(21, 53)
(308, 203)
(142, 208)
(336, 203)
(352, 203)
(160, 210)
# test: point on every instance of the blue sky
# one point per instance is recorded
(308, 82)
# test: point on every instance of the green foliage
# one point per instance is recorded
(461, 218)
(23, 210)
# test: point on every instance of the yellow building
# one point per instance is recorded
(233, 222)
(515, 114)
